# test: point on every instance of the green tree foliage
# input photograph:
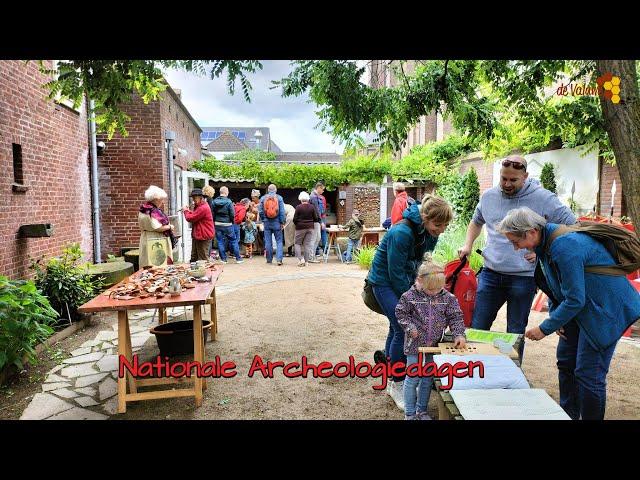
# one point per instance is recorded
(470, 195)
(548, 177)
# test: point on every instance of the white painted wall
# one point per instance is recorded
(570, 164)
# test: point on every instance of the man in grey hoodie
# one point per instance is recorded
(507, 275)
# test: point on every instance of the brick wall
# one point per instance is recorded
(483, 169)
(367, 200)
(54, 141)
(608, 174)
(126, 168)
(129, 165)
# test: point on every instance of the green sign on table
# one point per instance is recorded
(484, 336)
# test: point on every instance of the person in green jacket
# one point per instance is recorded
(355, 226)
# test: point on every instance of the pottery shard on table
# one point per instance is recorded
(90, 357)
(77, 413)
(44, 405)
(89, 380)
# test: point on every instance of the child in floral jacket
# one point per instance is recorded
(424, 312)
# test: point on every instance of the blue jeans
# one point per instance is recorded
(582, 375)
(225, 236)
(394, 347)
(496, 288)
(236, 233)
(417, 390)
(323, 236)
(351, 246)
(268, 242)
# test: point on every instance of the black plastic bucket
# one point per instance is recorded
(176, 338)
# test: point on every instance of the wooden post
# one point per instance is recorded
(122, 350)
(198, 353)
(214, 316)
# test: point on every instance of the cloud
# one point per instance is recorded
(291, 120)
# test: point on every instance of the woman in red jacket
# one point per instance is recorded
(202, 230)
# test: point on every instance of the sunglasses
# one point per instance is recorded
(516, 165)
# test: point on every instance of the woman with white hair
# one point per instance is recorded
(304, 218)
(589, 311)
(154, 224)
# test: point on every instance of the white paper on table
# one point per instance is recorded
(502, 404)
(499, 372)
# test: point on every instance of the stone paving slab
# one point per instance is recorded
(108, 363)
(65, 393)
(90, 379)
(108, 388)
(77, 413)
(78, 370)
(55, 386)
(107, 335)
(88, 391)
(81, 351)
(89, 357)
(86, 402)
(91, 343)
(53, 378)
(43, 406)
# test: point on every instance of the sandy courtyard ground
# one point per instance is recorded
(324, 319)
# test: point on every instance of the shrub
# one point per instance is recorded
(25, 320)
(470, 196)
(364, 256)
(548, 177)
(65, 282)
(449, 243)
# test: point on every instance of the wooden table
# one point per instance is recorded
(447, 409)
(203, 293)
(371, 236)
(332, 242)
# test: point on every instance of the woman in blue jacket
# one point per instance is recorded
(394, 269)
(592, 313)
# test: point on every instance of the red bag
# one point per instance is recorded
(461, 281)
(241, 213)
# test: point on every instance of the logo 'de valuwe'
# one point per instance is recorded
(607, 85)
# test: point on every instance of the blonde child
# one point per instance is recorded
(250, 230)
(424, 312)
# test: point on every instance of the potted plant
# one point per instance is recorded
(65, 282)
(26, 319)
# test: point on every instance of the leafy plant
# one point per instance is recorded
(364, 256)
(26, 319)
(451, 240)
(65, 282)
(548, 177)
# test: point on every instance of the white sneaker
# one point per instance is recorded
(397, 394)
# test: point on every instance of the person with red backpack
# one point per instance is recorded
(592, 302)
(401, 203)
(241, 209)
(272, 214)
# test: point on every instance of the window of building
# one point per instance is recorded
(18, 171)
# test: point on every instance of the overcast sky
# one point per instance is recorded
(292, 120)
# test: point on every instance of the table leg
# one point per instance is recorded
(131, 380)
(122, 350)
(214, 316)
(198, 353)
(162, 316)
(339, 250)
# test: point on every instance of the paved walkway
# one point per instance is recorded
(84, 387)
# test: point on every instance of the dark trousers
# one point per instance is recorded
(394, 346)
(494, 289)
(199, 249)
(582, 375)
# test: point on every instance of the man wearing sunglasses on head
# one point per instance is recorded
(508, 274)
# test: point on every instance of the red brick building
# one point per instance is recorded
(127, 166)
(44, 153)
